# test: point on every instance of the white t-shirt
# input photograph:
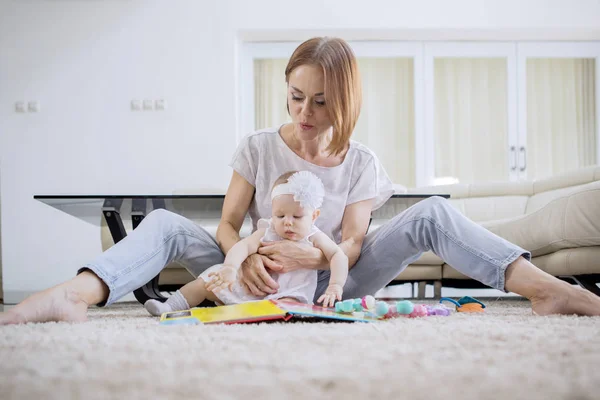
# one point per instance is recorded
(263, 156)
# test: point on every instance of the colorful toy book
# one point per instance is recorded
(257, 311)
(254, 311)
(365, 309)
(302, 310)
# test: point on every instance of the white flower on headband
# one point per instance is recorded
(306, 187)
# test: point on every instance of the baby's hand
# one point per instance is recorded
(334, 292)
(222, 279)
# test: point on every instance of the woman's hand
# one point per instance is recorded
(334, 292)
(255, 278)
(290, 255)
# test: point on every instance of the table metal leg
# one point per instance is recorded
(150, 290)
(587, 281)
(111, 211)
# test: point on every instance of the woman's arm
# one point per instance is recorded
(254, 277)
(354, 228)
(292, 256)
(236, 204)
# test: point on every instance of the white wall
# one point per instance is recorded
(84, 61)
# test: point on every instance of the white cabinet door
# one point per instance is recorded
(558, 107)
(391, 119)
(471, 112)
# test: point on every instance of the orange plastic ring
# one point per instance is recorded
(470, 307)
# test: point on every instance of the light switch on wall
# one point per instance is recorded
(20, 107)
(136, 105)
(33, 106)
(148, 104)
(160, 104)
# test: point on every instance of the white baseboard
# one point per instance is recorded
(16, 296)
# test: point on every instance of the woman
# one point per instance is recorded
(324, 100)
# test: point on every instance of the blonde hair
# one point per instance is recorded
(343, 93)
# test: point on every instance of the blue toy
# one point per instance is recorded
(466, 304)
(384, 310)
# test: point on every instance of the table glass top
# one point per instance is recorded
(89, 208)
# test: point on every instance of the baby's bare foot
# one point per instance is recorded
(567, 300)
(55, 304)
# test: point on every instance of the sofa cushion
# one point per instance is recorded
(540, 200)
(572, 178)
(577, 261)
(491, 208)
(420, 272)
(565, 222)
(428, 258)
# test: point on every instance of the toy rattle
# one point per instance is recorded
(385, 310)
(466, 304)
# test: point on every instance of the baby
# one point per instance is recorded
(296, 198)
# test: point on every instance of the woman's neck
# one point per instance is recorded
(307, 149)
(312, 151)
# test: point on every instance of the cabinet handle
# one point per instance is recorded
(513, 155)
(524, 152)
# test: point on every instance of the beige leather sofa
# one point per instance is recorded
(557, 219)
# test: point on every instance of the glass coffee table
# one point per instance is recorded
(125, 212)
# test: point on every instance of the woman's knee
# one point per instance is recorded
(164, 219)
(432, 203)
(167, 222)
(431, 207)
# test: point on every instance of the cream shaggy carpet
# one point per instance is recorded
(122, 353)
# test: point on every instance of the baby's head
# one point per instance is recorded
(296, 198)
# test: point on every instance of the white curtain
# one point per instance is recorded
(387, 120)
(386, 123)
(270, 91)
(561, 122)
(470, 119)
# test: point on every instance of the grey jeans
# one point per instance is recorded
(432, 224)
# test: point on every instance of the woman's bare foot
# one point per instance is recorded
(567, 299)
(549, 295)
(59, 303)
(66, 302)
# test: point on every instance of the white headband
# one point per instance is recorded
(306, 187)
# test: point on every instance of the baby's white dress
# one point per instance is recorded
(300, 284)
